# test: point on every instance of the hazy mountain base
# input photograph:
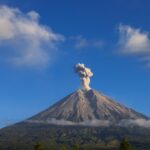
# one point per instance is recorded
(23, 136)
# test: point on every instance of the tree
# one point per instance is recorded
(125, 145)
(76, 147)
(63, 147)
(38, 146)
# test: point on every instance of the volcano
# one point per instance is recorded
(86, 117)
(86, 108)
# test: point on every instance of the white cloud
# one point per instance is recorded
(134, 42)
(29, 42)
(81, 42)
(123, 123)
(66, 122)
(137, 122)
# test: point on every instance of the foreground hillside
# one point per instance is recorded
(23, 136)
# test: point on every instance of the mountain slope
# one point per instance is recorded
(86, 106)
(94, 120)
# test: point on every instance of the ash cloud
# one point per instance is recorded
(85, 74)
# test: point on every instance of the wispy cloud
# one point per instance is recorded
(25, 41)
(137, 122)
(123, 123)
(81, 43)
(66, 122)
(134, 42)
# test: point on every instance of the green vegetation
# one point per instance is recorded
(63, 147)
(125, 145)
(76, 147)
(38, 146)
(26, 136)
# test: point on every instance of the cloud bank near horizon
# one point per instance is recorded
(123, 123)
(135, 122)
(71, 123)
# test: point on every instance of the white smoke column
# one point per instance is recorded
(85, 74)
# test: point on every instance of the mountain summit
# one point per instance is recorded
(86, 108)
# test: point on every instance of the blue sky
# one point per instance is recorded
(41, 41)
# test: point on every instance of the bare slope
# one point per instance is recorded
(86, 106)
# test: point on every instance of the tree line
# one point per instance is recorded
(124, 145)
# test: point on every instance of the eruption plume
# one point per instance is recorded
(84, 74)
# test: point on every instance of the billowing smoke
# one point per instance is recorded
(84, 74)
